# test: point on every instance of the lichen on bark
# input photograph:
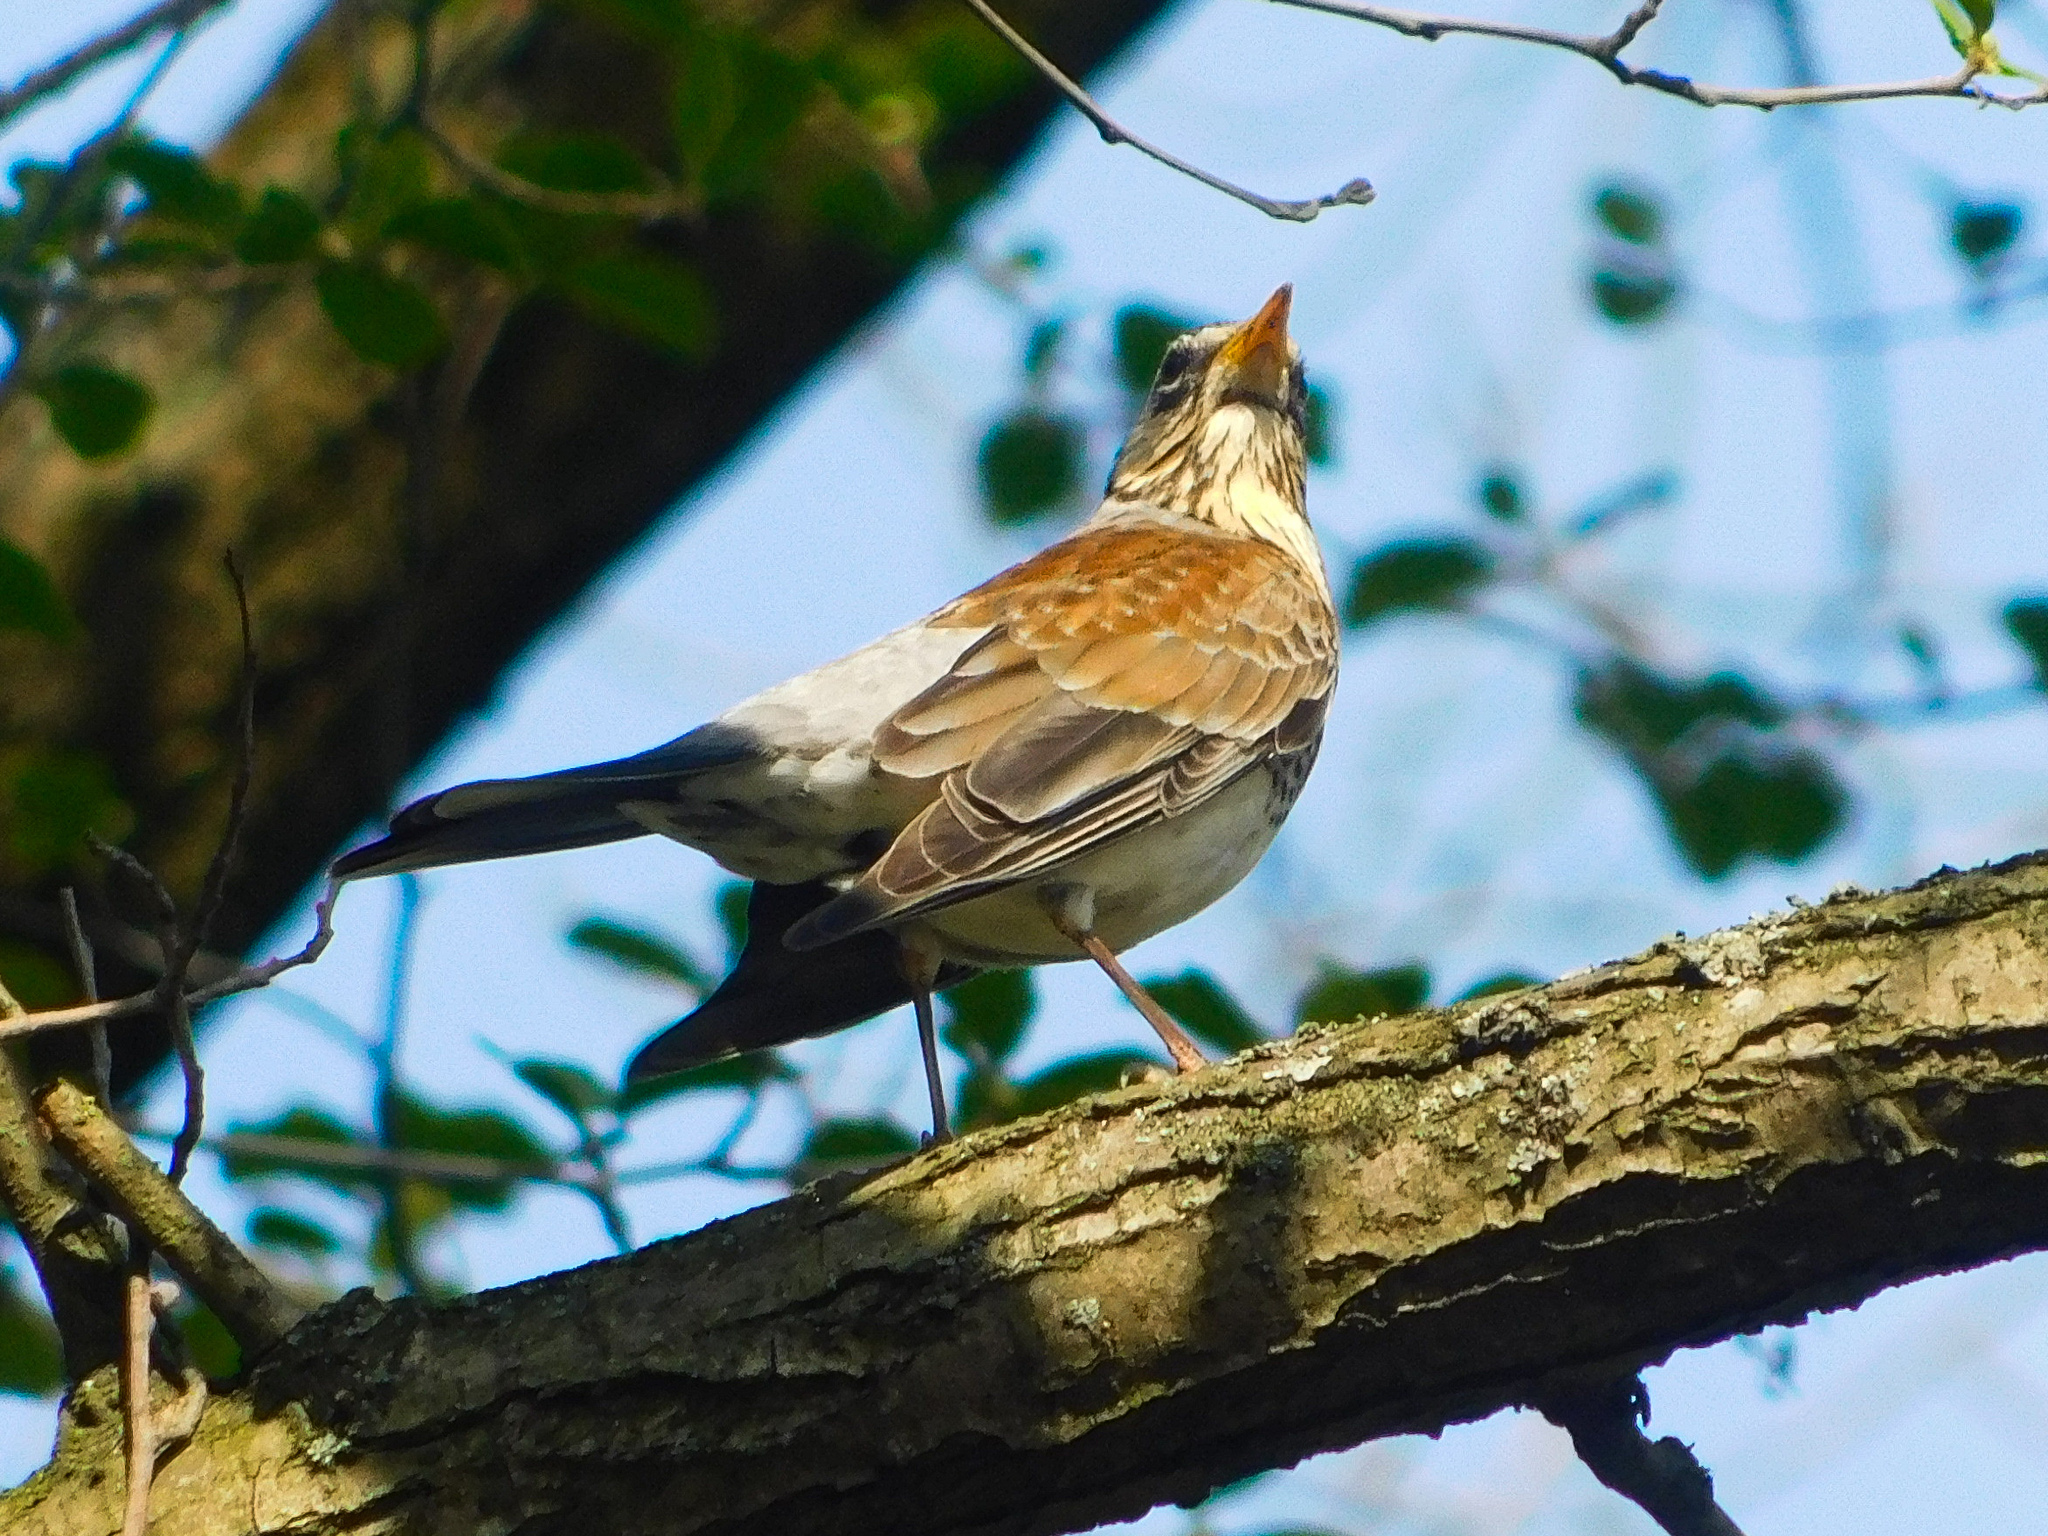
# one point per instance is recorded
(1378, 1226)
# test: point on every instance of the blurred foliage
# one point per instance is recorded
(1030, 464)
(1633, 280)
(30, 1365)
(1412, 574)
(822, 128)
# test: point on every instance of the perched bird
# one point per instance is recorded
(1079, 753)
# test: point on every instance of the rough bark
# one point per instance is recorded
(1382, 1226)
(390, 593)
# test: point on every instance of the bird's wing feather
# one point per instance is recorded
(1126, 674)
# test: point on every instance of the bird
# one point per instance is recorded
(1081, 752)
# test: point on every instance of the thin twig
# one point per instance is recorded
(1663, 1476)
(663, 202)
(139, 1317)
(1357, 192)
(83, 962)
(247, 979)
(165, 16)
(249, 1306)
(1604, 49)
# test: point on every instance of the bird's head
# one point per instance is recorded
(1223, 431)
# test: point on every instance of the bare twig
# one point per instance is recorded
(661, 202)
(1604, 49)
(247, 979)
(82, 961)
(252, 1309)
(139, 1320)
(1356, 192)
(1662, 1476)
(165, 16)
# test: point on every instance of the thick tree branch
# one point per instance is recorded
(248, 1305)
(1378, 1227)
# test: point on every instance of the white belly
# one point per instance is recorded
(1143, 883)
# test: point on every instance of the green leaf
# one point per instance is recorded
(300, 1123)
(655, 297)
(641, 951)
(1339, 993)
(37, 979)
(1206, 1010)
(1642, 711)
(421, 1126)
(29, 600)
(98, 411)
(748, 1072)
(1412, 574)
(1630, 213)
(2026, 620)
(1980, 12)
(30, 1362)
(390, 173)
(988, 1014)
(1319, 426)
(1983, 232)
(836, 1145)
(705, 101)
(1726, 790)
(729, 905)
(281, 227)
(1493, 986)
(384, 319)
(213, 1348)
(289, 1232)
(1500, 496)
(1780, 806)
(1077, 1078)
(1042, 348)
(1956, 22)
(774, 91)
(575, 162)
(177, 185)
(464, 227)
(1630, 295)
(1030, 464)
(571, 1087)
(1140, 335)
(60, 797)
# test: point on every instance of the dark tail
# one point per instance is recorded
(577, 808)
(776, 995)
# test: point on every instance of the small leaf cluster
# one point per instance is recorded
(1728, 765)
(823, 129)
(1633, 278)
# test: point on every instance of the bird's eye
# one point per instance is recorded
(1174, 366)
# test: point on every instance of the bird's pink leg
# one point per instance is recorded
(1072, 910)
(921, 969)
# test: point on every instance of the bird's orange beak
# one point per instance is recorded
(1258, 352)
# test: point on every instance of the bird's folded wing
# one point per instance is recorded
(1127, 674)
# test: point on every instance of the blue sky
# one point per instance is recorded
(1456, 816)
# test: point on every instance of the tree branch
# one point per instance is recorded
(1374, 1228)
(241, 1296)
(1356, 192)
(1662, 1476)
(247, 979)
(165, 16)
(1605, 48)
